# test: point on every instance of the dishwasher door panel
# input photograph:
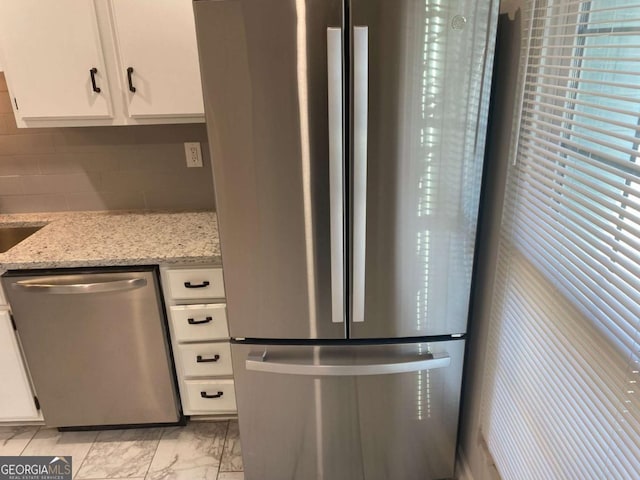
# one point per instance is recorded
(353, 419)
(96, 347)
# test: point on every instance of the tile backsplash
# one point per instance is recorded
(99, 168)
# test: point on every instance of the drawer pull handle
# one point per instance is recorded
(193, 321)
(206, 395)
(94, 87)
(197, 285)
(201, 359)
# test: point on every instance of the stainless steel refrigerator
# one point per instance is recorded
(347, 141)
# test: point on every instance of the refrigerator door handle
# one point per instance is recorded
(360, 117)
(336, 181)
(259, 362)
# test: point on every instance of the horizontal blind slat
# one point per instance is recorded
(626, 263)
(611, 304)
(562, 88)
(619, 197)
(590, 81)
(583, 297)
(611, 165)
(575, 101)
(553, 118)
(562, 184)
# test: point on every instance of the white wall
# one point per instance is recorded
(475, 459)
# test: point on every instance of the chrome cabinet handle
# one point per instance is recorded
(259, 362)
(360, 128)
(77, 288)
(336, 168)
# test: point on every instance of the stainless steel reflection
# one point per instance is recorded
(96, 346)
(423, 167)
(264, 64)
(373, 427)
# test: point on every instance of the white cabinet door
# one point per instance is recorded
(49, 51)
(16, 398)
(157, 40)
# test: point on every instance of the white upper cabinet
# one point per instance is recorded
(159, 57)
(51, 52)
(61, 57)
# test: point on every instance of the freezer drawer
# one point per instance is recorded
(348, 412)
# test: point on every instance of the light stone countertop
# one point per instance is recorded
(89, 239)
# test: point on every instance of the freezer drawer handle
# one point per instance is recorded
(201, 359)
(197, 285)
(259, 362)
(75, 288)
(193, 321)
(215, 395)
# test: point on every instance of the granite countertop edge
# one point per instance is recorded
(113, 238)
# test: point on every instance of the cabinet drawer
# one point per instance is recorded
(222, 393)
(205, 359)
(196, 283)
(196, 323)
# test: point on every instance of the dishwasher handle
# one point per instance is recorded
(41, 286)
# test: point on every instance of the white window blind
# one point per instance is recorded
(562, 400)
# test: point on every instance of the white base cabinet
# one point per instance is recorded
(17, 402)
(200, 339)
(101, 62)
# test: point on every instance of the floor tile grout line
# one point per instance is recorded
(155, 452)
(87, 454)
(224, 444)
(35, 432)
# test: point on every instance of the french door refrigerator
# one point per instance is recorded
(347, 141)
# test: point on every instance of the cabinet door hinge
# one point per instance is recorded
(37, 402)
(16, 102)
(13, 322)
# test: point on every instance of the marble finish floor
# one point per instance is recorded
(198, 451)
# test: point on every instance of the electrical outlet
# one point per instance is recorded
(193, 153)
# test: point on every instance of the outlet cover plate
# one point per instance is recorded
(193, 154)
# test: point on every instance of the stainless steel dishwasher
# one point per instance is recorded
(96, 345)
